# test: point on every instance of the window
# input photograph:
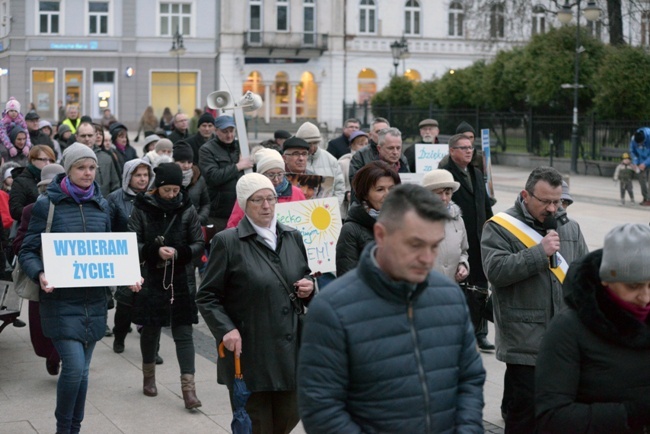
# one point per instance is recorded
(175, 16)
(595, 29)
(282, 16)
(539, 20)
(98, 18)
(645, 28)
(255, 24)
(309, 23)
(367, 16)
(497, 21)
(48, 14)
(412, 18)
(43, 92)
(456, 19)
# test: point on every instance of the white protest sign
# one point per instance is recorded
(411, 178)
(74, 260)
(428, 155)
(319, 222)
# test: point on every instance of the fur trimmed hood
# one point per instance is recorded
(585, 294)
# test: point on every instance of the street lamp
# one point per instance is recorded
(400, 50)
(565, 15)
(178, 50)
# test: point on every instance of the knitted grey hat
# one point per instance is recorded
(626, 254)
(75, 152)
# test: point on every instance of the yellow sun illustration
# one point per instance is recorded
(323, 216)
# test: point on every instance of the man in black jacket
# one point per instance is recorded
(341, 145)
(205, 133)
(180, 130)
(36, 136)
(222, 165)
(473, 200)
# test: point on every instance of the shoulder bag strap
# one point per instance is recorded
(50, 215)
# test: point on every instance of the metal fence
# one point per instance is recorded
(525, 132)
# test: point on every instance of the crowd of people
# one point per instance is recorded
(391, 342)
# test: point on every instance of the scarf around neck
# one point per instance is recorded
(35, 171)
(77, 193)
(168, 205)
(640, 313)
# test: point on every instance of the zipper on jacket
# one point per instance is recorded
(421, 374)
(83, 218)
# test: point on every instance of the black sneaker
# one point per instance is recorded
(118, 346)
(159, 360)
(108, 333)
(19, 323)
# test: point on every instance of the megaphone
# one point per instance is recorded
(220, 99)
(250, 101)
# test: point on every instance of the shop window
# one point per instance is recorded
(164, 86)
(307, 96)
(281, 95)
(43, 93)
(412, 75)
(367, 85)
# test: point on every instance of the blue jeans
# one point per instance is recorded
(73, 384)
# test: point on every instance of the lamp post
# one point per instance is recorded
(400, 50)
(178, 50)
(565, 15)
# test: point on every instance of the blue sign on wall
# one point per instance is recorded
(92, 45)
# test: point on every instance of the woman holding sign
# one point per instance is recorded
(169, 237)
(255, 288)
(74, 318)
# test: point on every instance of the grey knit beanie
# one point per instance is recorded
(626, 254)
(75, 152)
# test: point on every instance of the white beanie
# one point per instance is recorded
(249, 184)
(12, 104)
(267, 159)
(309, 133)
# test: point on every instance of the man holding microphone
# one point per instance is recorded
(519, 247)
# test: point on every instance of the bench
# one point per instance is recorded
(607, 154)
(10, 304)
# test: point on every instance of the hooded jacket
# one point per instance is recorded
(153, 304)
(525, 293)
(107, 176)
(121, 201)
(593, 359)
(385, 356)
(322, 163)
(67, 313)
(23, 191)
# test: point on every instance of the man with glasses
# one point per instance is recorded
(222, 165)
(473, 200)
(341, 145)
(295, 152)
(526, 252)
(107, 176)
(180, 128)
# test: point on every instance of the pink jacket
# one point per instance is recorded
(238, 213)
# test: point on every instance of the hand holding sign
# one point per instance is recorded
(138, 285)
(44, 285)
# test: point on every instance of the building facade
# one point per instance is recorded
(306, 58)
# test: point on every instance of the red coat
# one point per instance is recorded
(7, 221)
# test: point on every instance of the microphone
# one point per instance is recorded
(550, 223)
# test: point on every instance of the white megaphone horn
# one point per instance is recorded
(220, 99)
(250, 101)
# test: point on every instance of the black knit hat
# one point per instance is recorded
(206, 118)
(168, 174)
(281, 134)
(183, 152)
(464, 127)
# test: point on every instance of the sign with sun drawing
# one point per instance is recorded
(319, 222)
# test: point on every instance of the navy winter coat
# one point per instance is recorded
(380, 356)
(67, 313)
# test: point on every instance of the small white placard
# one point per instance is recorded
(428, 155)
(73, 260)
(411, 178)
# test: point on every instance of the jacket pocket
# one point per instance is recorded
(524, 315)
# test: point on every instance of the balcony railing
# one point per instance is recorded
(299, 42)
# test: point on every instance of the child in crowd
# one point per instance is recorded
(11, 118)
(624, 174)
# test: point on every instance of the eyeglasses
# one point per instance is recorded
(298, 154)
(259, 201)
(546, 203)
(463, 148)
(273, 176)
(44, 160)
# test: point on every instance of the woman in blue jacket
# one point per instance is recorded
(74, 318)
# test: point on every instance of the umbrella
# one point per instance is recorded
(241, 421)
